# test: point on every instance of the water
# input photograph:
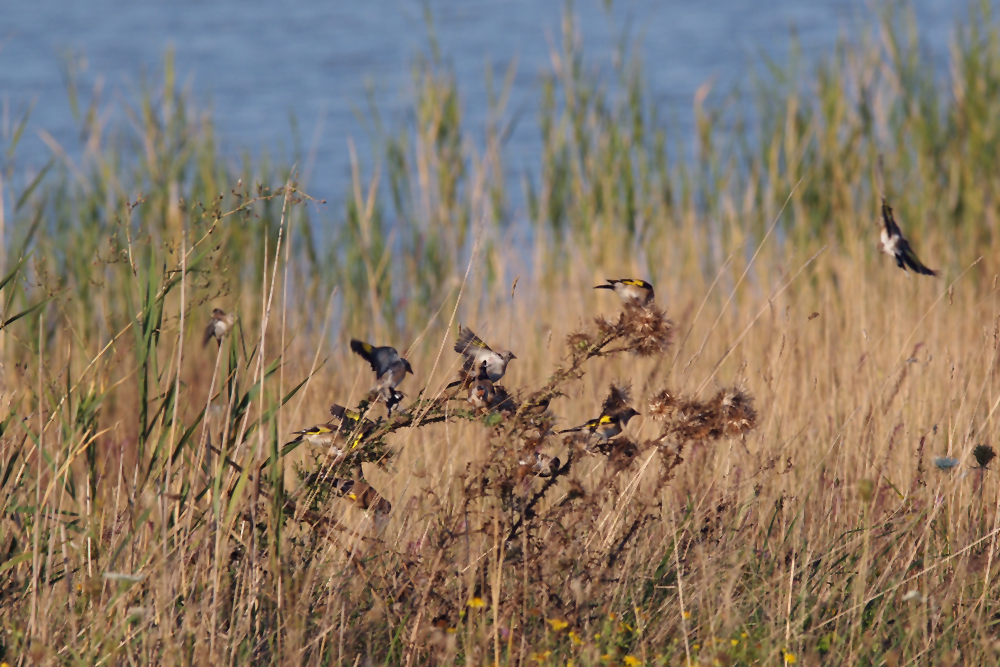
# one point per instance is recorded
(255, 63)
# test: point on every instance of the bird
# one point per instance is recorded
(351, 420)
(218, 326)
(338, 436)
(606, 426)
(631, 290)
(541, 464)
(363, 495)
(481, 392)
(389, 367)
(478, 353)
(893, 244)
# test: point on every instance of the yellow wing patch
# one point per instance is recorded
(315, 430)
(605, 419)
(367, 347)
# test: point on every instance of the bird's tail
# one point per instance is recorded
(362, 349)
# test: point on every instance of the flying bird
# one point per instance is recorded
(895, 245)
(477, 354)
(631, 290)
(389, 367)
(218, 326)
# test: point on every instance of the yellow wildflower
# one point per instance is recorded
(476, 603)
(540, 657)
(734, 642)
(696, 646)
(743, 634)
(631, 661)
(558, 624)
(789, 658)
(575, 637)
(687, 614)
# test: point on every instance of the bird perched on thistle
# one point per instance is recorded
(218, 326)
(481, 391)
(893, 244)
(389, 367)
(606, 426)
(631, 290)
(338, 436)
(478, 354)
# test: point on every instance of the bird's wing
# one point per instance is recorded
(469, 343)
(319, 428)
(911, 260)
(380, 358)
(340, 412)
(365, 351)
(209, 333)
(891, 227)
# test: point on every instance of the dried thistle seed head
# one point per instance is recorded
(647, 328)
(736, 411)
(983, 455)
(608, 328)
(617, 400)
(695, 420)
(622, 453)
(663, 405)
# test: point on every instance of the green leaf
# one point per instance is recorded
(22, 200)
(15, 318)
(14, 561)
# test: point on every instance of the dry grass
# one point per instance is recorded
(809, 518)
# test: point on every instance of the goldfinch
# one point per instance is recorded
(481, 392)
(336, 438)
(606, 426)
(389, 367)
(631, 290)
(893, 244)
(363, 495)
(218, 326)
(477, 353)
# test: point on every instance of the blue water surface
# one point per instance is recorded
(256, 64)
